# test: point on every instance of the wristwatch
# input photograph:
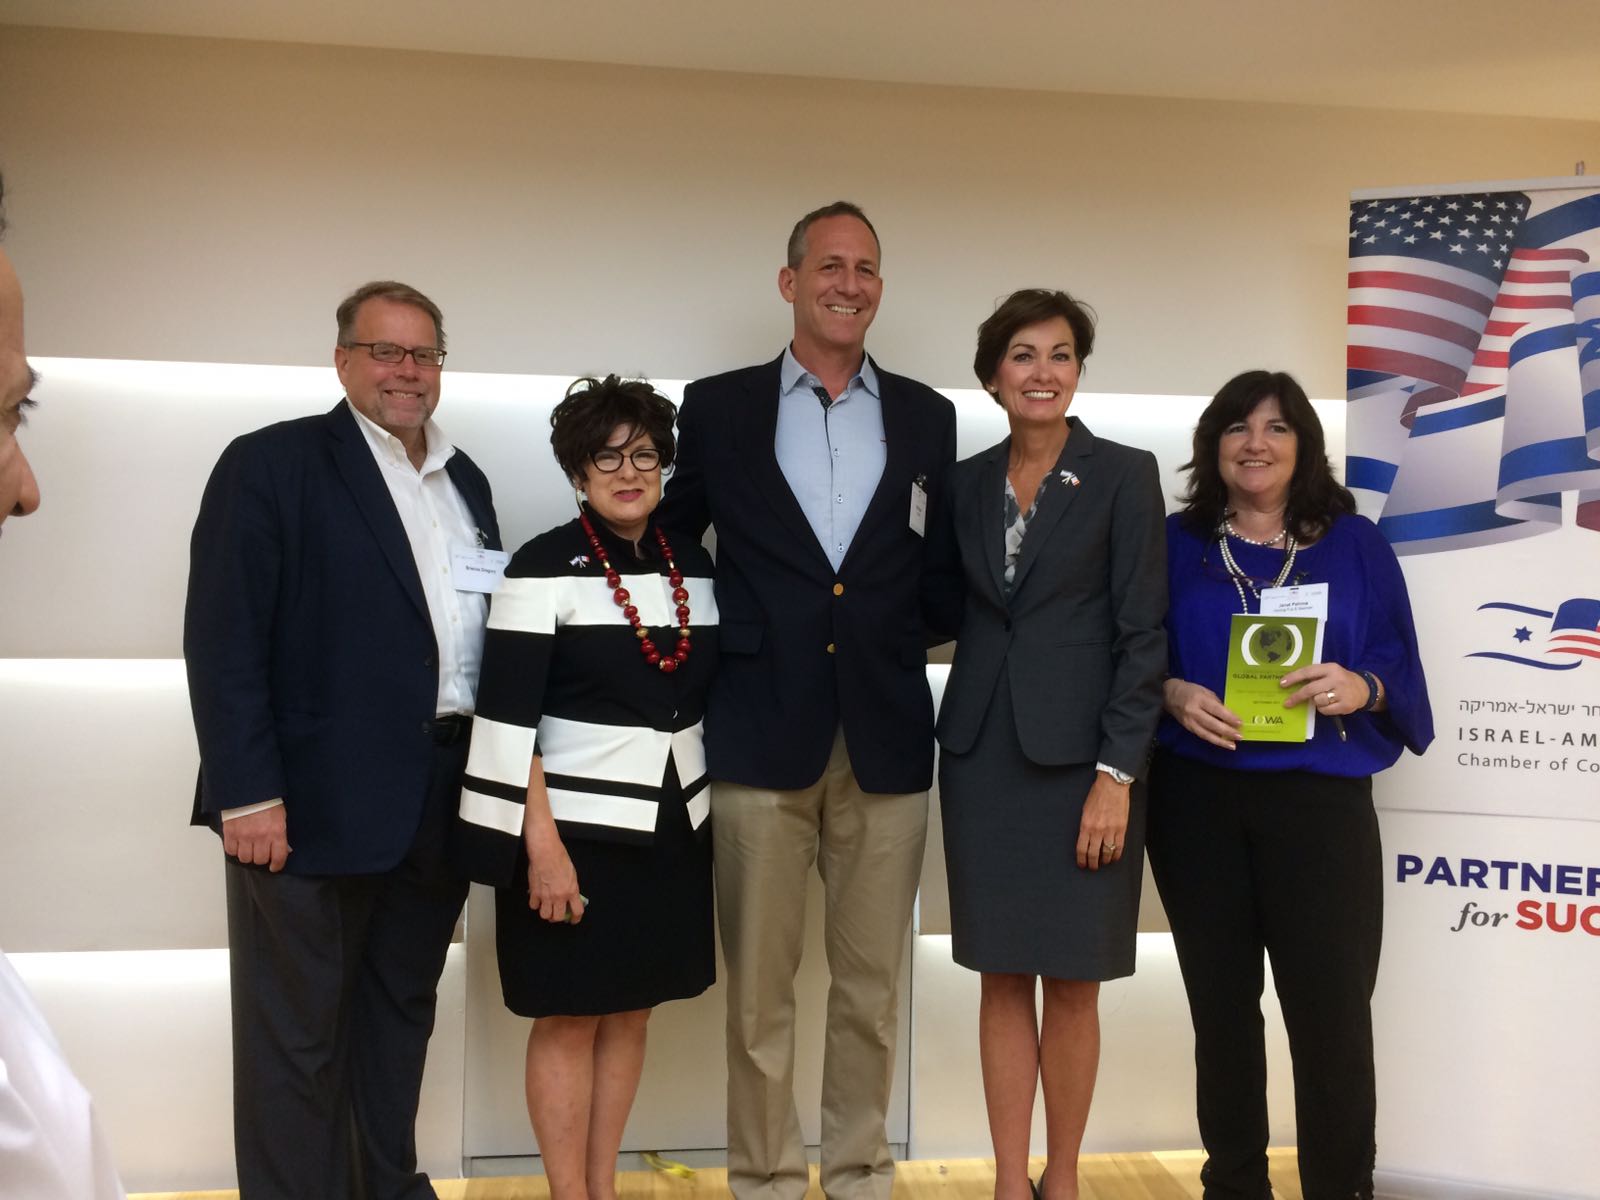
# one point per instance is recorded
(1117, 776)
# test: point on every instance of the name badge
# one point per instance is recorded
(919, 506)
(477, 568)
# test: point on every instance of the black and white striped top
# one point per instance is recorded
(563, 678)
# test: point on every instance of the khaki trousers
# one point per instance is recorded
(868, 850)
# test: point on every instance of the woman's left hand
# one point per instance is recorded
(1105, 822)
(1329, 686)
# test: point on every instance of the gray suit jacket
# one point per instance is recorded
(1081, 635)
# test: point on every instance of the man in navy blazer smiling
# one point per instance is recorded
(819, 472)
(332, 637)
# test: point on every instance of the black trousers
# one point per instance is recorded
(334, 981)
(1288, 863)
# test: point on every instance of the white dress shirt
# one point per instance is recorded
(436, 519)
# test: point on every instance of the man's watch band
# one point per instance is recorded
(1117, 776)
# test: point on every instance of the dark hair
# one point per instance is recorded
(385, 289)
(1021, 309)
(2, 206)
(839, 208)
(1315, 496)
(593, 408)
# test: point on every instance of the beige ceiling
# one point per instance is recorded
(1511, 57)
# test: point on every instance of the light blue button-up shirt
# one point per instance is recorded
(832, 457)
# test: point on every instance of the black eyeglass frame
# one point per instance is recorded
(633, 457)
(419, 354)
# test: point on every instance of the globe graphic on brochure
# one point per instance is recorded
(1270, 644)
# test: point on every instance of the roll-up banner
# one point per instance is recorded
(1473, 439)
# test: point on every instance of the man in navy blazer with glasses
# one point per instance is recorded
(332, 637)
(820, 472)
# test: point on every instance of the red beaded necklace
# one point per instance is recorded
(680, 596)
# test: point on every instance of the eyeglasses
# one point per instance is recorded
(388, 352)
(645, 458)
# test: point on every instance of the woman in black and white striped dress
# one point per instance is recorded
(586, 799)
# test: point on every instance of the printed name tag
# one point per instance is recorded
(476, 568)
(919, 508)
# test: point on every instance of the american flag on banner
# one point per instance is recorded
(1474, 364)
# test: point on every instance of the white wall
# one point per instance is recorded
(191, 200)
(203, 200)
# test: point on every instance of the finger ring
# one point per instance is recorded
(1329, 695)
(1108, 848)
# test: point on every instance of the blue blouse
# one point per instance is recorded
(1369, 628)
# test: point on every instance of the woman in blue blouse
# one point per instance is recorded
(1273, 846)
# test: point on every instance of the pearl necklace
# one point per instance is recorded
(1239, 578)
(680, 595)
(1250, 541)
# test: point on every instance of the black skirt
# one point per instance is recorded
(646, 934)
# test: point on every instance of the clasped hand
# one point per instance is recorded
(552, 879)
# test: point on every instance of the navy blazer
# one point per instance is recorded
(805, 649)
(313, 669)
(1081, 635)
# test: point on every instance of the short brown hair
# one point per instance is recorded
(1030, 306)
(839, 208)
(593, 408)
(385, 289)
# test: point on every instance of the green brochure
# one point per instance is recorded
(1261, 651)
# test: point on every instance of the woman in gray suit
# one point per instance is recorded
(1046, 725)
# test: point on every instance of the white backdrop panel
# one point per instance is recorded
(96, 852)
(123, 450)
(1144, 1096)
(100, 766)
(148, 1034)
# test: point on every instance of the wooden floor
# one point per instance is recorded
(1171, 1175)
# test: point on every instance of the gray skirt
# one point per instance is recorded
(1019, 904)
